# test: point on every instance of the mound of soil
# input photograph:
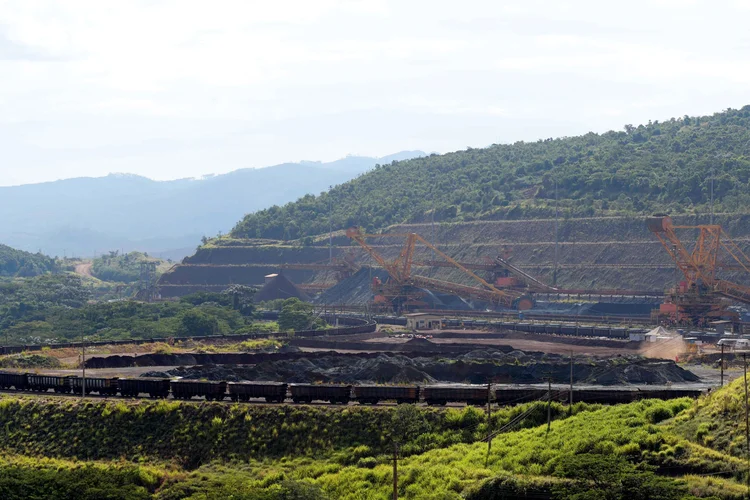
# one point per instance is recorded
(475, 367)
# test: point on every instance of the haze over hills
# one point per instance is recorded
(78, 217)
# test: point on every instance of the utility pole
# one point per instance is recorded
(722, 365)
(489, 424)
(395, 471)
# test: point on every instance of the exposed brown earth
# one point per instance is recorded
(84, 269)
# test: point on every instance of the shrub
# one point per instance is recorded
(657, 414)
(367, 462)
(701, 432)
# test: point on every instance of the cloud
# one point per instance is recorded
(176, 88)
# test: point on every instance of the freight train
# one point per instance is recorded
(279, 392)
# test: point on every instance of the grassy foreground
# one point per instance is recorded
(166, 450)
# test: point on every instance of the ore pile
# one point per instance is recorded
(354, 290)
(475, 367)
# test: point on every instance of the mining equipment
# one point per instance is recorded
(500, 272)
(403, 289)
(702, 296)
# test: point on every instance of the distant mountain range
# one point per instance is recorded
(84, 216)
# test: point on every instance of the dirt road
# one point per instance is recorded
(84, 269)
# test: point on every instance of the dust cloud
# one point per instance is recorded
(673, 348)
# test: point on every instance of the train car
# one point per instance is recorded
(585, 331)
(372, 394)
(104, 386)
(44, 383)
(18, 381)
(272, 392)
(618, 332)
(154, 387)
(602, 331)
(605, 395)
(518, 395)
(442, 394)
(552, 328)
(306, 393)
(667, 393)
(568, 329)
(186, 389)
(538, 328)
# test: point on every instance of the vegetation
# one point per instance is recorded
(274, 452)
(19, 263)
(298, 316)
(193, 435)
(713, 421)
(125, 268)
(25, 304)
(661, 166)
(56, 307)
(30, 361)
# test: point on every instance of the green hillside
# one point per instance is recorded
(123, 268)
(661, 166)
(55, 448)
(19, 263)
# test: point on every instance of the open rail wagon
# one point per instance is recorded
(442, 394)
(272, 392)
(372, 394)
(154, 387)
(186, 389)
(44, 383)
(104, 386)
(517, 395)
(601, 395)
(18, 381)
(307, 393)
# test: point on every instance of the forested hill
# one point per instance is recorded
(18, 263)
(661, 166)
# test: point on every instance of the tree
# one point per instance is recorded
(298, 316)
(242, 298)
(196, 323)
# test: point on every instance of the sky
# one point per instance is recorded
(180, 88)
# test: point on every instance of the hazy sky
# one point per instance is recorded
(179, 88)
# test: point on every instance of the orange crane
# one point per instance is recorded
(699, 296)
(400, 288)
(512, 276)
